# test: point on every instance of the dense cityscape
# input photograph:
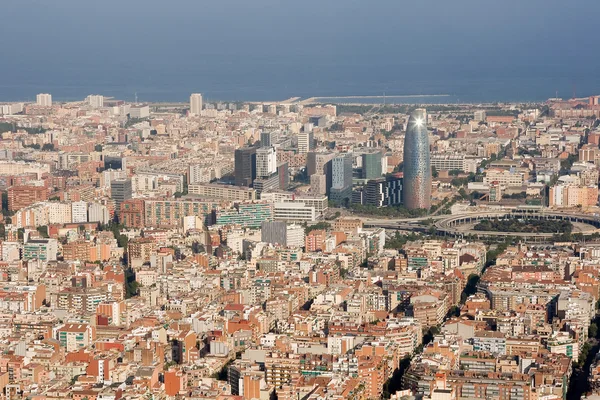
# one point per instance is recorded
(299, 250)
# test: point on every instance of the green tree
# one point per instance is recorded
(470, 288)
(198, 248)
(43, 231)
(319, 225)
(48, 147)
(593, 330)
(4, 202)
(394, 384)
(131, 285)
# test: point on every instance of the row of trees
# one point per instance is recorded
(527, 225)
(11, 127)
(318, 226)
(45, 147)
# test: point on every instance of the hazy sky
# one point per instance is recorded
(324, 46)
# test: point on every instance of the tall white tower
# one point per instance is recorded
(266, 162)
(306, 142)
(44, 100)
(95, 100)
(195, 104)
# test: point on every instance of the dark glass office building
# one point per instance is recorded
(245, 166)
(371, 165)
(417, 166)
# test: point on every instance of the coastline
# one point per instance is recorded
(357, 100)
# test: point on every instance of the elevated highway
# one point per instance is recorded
(461, 225)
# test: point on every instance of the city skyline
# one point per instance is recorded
(310, 200)
(264, 239)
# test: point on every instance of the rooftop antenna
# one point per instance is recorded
(136, 98)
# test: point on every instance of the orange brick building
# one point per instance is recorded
(23, 196)
(132, 213)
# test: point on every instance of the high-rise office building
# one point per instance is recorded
(318, 183)
(318, 166)
(306, 142)
(284, 175)
(341, 171)
(318, 162)
(417, 166)
(245, 166)
(268, 138)
(266, 162)
(195, 104)
(44, 100)
(266, 170)
(371, 165)
(341, 179)
(266, 183)
(383, 192)
(120, 190)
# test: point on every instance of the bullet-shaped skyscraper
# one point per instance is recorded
(417, 166)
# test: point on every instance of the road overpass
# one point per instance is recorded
(455, 225)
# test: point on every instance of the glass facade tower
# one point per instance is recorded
(417, 165)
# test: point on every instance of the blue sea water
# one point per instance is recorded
(266, 50)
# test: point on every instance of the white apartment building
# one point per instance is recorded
(293, 212)
(319, 202)
(295, 235)
(448, 162)
(21, 167)
(11, 251)
(59, 213)
(196, 104)
(479, 115)
(79, 212)
(10, 109)
(504, 178)
(144, 183)
(32, 216)
(98, 213)
(225, 192)
(44, 100)
(200, 173)
(139, 111)
(70, 160)
(95, 100)
(110, 175)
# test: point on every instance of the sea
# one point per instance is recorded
(425, 51)
(219, 81)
